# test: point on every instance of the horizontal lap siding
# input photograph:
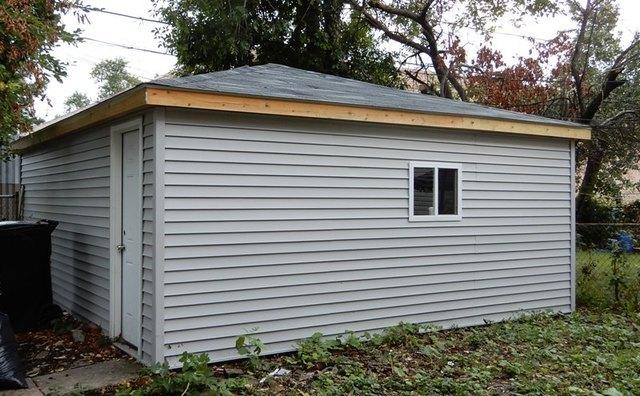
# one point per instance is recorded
(294, 227)
(68, 181)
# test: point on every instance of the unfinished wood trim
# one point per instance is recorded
(117, 106)
(223, 102)
(143, 97)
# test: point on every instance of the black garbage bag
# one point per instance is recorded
(12, 375)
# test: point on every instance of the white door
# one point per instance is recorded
(131, 246)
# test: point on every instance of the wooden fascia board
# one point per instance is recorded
(243, 104)
(115, 107)
(145, 96)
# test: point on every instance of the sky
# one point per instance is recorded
(146, 65)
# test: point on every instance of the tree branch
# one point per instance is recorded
(428, 89)
(394, 10)
(577, 51)
(446, 77)
(617, 116)
(610, 83)
(386, 30)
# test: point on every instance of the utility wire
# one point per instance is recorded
(139, 18)
(102, 10)
(125, 46)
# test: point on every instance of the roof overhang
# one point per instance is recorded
(145, 96)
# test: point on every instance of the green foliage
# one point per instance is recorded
(584, 353)
(113, 77)
(29, 31)
(318, 35)
(618, 264)
(317, 350)
(63, 325)
(402, 334)
(350, 340)
(194, 378)
(541, 354)
(250, 347)
(608, 279)
(631, 212)
(76, 100)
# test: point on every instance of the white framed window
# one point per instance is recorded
(435, 191)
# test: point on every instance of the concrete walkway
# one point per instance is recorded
(94, 376)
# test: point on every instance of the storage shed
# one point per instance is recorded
(194, 209)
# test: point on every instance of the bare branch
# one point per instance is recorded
(610, 83)
(577, 52)
(618, 116)
(428, 89)
(446, 77)
(458, 86)
(386, 30)
(394, 10)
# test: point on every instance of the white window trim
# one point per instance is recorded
(436, 166)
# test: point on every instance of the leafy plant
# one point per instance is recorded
(320, 35)
(194, 378)
(63, 325)
(402, 334)
(251, 347)
(317, 349)
(29, 32)
(584, 353)
(351, 340)
(618, 262)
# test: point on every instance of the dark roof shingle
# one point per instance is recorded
(283, 82)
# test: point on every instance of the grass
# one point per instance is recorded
(584, 353)
(595, 277)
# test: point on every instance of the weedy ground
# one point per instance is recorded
(584, 353)
(594, 351)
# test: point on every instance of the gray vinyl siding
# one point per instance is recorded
(296, 226)
(148, 229)
(68, 180)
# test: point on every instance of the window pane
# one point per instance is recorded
(447, 191)
(423, 191)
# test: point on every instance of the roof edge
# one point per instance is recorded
(147, 95)
(113, 107)
(204, 100)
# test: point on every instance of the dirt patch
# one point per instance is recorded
(69, 343)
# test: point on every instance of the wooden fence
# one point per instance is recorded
(10, 202)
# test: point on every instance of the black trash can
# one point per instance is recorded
(25, 273)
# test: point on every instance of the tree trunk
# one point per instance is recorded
(594, 163)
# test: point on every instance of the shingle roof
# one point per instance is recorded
(283, 82)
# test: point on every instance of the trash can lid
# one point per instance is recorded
(26, 224)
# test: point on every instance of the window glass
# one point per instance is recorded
(447, 191)
(423, 198)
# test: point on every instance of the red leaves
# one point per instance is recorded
(533, 85)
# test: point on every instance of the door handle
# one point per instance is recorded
(120, 248)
